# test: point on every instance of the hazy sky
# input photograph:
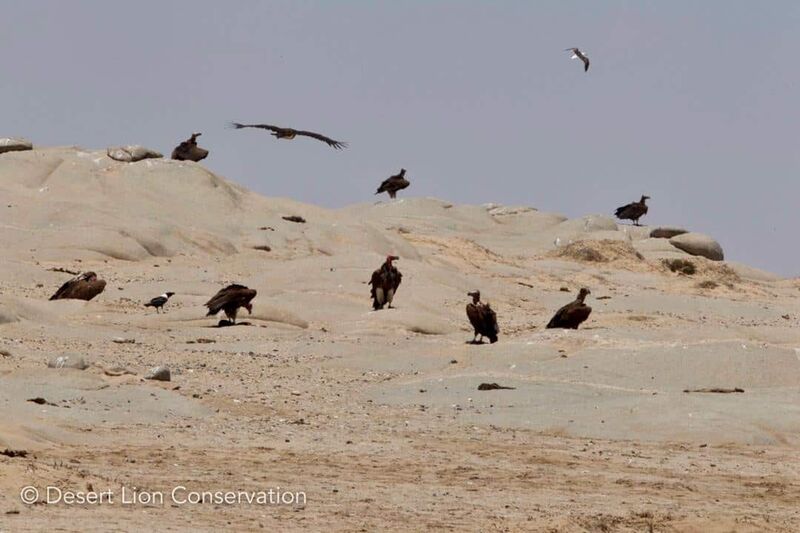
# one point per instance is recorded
(694, 103)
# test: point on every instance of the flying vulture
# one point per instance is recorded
(189, 151)
(82, 287)
(230, 299)
(633, 211)
(482, 318)
(289, 133)
(573, 314)
(384, 283)
(396, 183)
(577, 54)
(159, 301)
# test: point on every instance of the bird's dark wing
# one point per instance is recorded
(384, 185)
(158, 301)
(473, 313)
(624, 211)
(233, 293)
(237, 126)
(330, 142)
(585, 62)
(398, 277)
(559, 319)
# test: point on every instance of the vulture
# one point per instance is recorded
(577, 54)
(573, 314)
(84, 286)
(398, 182)
(159, 301)
(633, 211)
(189, 151)
(384, 283)
(230, 299)
(289, 133)
(482, 318)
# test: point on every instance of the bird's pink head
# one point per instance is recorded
(390, 258)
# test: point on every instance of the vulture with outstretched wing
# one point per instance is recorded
(391, 185)
(230, 299)
(577, 54)
(84, 286)
(633, 211)
(289, 133)
(483, 319)
(189, 151)
(573, 314)
(385, 282)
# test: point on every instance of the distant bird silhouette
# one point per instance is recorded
(84, 286)
(289, 133)
(189, 151)
(573, 314)
(159, 301)
(385, 282)
(633, 211)
(577, 54)
(230, 299)
(398, 182)
(483, 319)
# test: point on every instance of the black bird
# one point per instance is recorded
(483, 319)
(398, 182)
(573, 314)
(159, 301)
(385, 282)
(189, 151)
(633, 211)
(577, 54)
(230, 299)
(84, 286)
(289, 133)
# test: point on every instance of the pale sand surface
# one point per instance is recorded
(376, 416)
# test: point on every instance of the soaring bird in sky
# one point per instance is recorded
(189, 151)
(577, 54)
(230, 299)
(84, 286)
(385, 282)
(289, 133)
(483, 319)
(159, 301)
(573, 314)
(393, 184)
(633, 211)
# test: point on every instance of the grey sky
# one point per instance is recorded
(693, 103)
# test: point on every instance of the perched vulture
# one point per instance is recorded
(573, 314)
(633, 211)
(230, 299)
(384, 283)
(82, 287)
(189, 151)
(159, 301)
(577, 54)
(289, 133)
(482, 318)
(398, 182)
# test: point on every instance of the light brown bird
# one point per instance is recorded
(573, 314)
(230, 299)
(289, 133)
(483, 319)
(385, 282)
(84, 286)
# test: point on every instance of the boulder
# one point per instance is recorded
(159, 373)
(666, 232)
(132, 153)
(14, 144)
(698, 244)
(68, 361)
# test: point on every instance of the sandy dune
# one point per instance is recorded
(376, 416)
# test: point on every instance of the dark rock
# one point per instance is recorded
(159, 373)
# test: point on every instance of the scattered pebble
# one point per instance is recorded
(159, 373)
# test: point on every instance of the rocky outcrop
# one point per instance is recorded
(14, 144)
(698, 244)
(132, 153)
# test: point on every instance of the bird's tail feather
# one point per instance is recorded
(236, 125)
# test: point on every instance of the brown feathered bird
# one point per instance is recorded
(385, 282)
(289, 133)
(573, 314)
(633, 211)
(230, 299)
(391, 185)
(483, 319)
(189, 151)
(577, 54)
(84, 286)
